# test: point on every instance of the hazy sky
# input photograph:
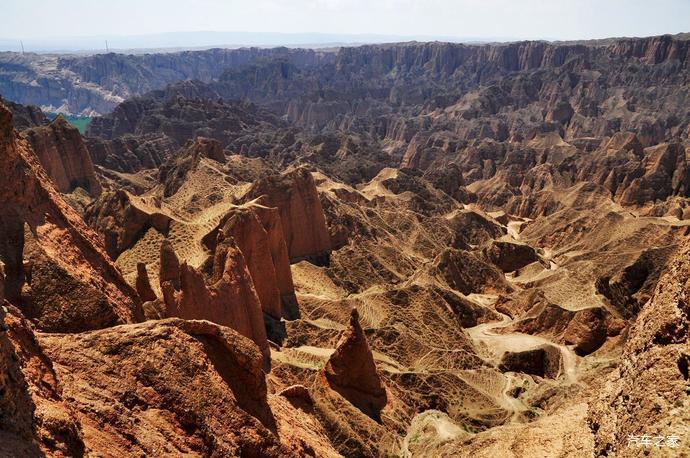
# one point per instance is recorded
(551, 19)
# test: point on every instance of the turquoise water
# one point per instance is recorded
(80, 122)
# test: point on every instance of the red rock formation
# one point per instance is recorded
(257, 230)
(62, 153)
(36, 421)
(228, 298)
(587, 330)
(544, 361)
(651, 50)
(304, 224)
(413, 154)
(270, 219)
(56, 271)
(122, 219)
(298, 394)
(169, 270)
(174, 173)
(15, 404)
(243, 225)
(351, 371)
(143, 284)
(169, 386)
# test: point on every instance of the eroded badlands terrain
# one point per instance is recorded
(418, 249)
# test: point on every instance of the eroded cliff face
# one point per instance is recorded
(304, 225)
(35, 395)
(122, 219)
(206, 395)
(95, 84)
(472, 89)
(25, 116)
(647, 393)
(173, 173)
(243, 225)
(228, 298)
(63, 155)
(131, 154)
(46, 246)
(272, 223)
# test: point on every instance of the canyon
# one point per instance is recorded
(409, 249)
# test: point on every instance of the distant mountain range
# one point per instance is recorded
(175, 41)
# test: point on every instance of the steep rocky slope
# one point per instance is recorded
(656, 354)
(55, 269)
(63, 155)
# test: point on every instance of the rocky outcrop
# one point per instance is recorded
(36, 421)
(297, 394)
(25, 116)
(15, 403)
(122, 219)
(450, 180)
(665, 172)
(473, 229)
(244, 227)
(257, 231)
(304, 224)
(544, 361)
(227, 298)
(651, 50)
(55, 270)
(585, 329)
(209, 380)
(630, 288)
(62, 153)
(272, 223)
(655, 355)
(174, 173)
(509, 256)
(98, 392)
(143, 284)
(57, 299)
(352, 372)
(183, 112)
(169, 270)
(131, 153)
(207, 394)
(468, 273)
